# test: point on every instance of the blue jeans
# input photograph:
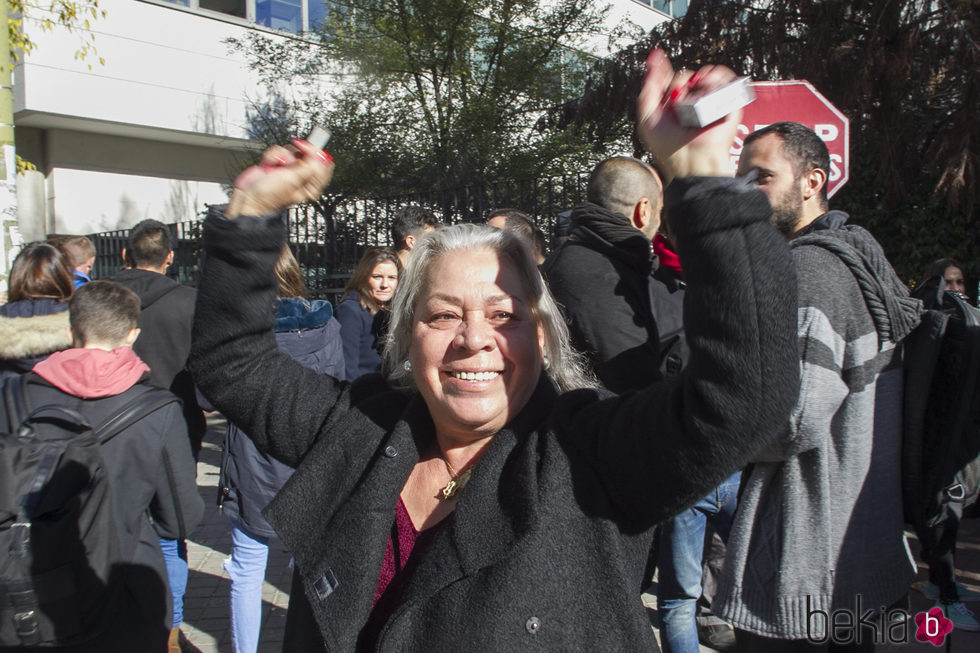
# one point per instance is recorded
(246, 568)
(175, 557)
(679, 561)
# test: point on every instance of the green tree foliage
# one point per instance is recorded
(907, 74)
(434, 93)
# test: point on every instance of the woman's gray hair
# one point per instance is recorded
(566, 367)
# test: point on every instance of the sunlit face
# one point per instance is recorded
(383, 281)
(776, 178)
(86, 267)
(476, 348)
(954, 279)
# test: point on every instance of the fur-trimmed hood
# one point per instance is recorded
(29, 337)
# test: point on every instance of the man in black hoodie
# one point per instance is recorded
(165, 344)
(617, 300)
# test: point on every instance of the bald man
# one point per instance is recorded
(623, 309)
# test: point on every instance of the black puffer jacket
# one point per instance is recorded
(546, 545)
(31, 330)
(623, 311)
(250, 479)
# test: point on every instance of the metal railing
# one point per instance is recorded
(329, 236)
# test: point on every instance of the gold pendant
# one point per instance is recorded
(450, 490)
(454, 486)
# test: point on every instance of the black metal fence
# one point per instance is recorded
(329, 236)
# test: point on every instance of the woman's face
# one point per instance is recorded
(382, 282)
(476, 348)
(954, 279)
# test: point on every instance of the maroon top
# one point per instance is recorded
(401, 541)
(396, 569)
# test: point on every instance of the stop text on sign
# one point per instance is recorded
(798, 101)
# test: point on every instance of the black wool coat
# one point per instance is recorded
(548, 541)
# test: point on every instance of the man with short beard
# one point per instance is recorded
(819, 526)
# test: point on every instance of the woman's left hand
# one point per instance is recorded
(283, 177)
(684, 151)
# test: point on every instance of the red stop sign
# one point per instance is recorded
(798, 101)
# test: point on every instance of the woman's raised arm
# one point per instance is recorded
(661, 449)
(234, 358)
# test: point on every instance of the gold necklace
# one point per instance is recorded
(456, 482)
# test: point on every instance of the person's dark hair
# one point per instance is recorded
(40, 271)
(103, 312)
(78, 249)
(541, 241)
(937, 269)
(517, 221)
(148, 244)
(290, 275)
(359, 280)
(410, 220)
(802, 146)
(617, 184)
(521, 224)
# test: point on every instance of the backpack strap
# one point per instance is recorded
(15, 401)
(133, 411)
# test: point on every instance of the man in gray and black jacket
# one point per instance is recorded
(819, 526)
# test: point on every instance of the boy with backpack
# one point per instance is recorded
(95, 466)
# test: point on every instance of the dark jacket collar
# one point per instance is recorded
(149, 285)
(296, 313)
(611, 234)
(832, 220)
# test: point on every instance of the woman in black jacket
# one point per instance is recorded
(34, 322)
(480, 494)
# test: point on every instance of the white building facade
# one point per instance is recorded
(162, 127)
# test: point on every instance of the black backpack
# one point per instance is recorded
(58, 538)
(941, 439)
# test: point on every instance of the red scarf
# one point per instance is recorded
(668, 257)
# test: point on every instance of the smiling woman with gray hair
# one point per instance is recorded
(480, 494)
(566, 367)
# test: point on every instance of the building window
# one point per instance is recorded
(288, 15)
(674, 8)
(230, 7)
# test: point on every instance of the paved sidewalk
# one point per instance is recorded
(206, 620)
(206, 602)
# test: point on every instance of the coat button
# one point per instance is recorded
(533, 625)
(391, 451)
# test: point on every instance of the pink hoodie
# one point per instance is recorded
(92, 373)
